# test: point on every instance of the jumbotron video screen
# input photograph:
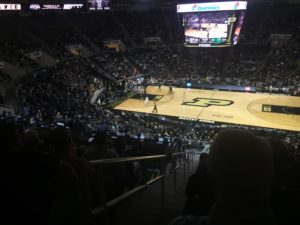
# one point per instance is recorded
(213, 24)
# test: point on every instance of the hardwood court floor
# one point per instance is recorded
(263, 110)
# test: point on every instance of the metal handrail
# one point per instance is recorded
(178, 153)
(108, 162)
(175, 166)
(187, 156)
(104, 162)
(6, 106)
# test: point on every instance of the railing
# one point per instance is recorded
(99, 164)
(7, 108)
(182, 159)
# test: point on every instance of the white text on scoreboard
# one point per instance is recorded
(10, 6)
(212, 6)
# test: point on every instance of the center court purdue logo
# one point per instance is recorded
(206, 102)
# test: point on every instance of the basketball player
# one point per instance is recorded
(170, 89)
(207, 35)
(142, 92)
(159, 86)
(154, 108)
(146, 100)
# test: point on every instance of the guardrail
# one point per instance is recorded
(182, 157)
(99, 164)
(7, 108)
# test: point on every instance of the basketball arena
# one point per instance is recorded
(254, 109)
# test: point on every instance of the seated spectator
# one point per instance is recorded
(31, 140)
(114, 176)
(241, 170)
(61, 142)
(100, 148)
(285, 198)
(11, 138)
(36, 189)
(199, 192)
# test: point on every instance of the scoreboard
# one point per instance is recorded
(212, 24)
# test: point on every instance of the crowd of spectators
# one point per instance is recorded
(115, 64)
(47, 158)
(241, 66)
(14, 52)
(143, 24)
(63, 93)
(282, 63)
(52, 180)
(203, 135)
(269, 70)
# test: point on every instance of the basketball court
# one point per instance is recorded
(262, 110)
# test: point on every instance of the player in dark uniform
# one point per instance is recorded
(154, 108)
(170, 90)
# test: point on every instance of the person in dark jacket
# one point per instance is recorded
(61, 142)
(199, 192)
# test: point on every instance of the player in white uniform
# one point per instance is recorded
(146, 100)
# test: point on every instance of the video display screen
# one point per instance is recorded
(99, 4)
(51, 7)
(211, 25)
(10, 6)
(72, 6)
(34, 7)
(55, 6)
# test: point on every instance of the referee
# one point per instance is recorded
(154, 108)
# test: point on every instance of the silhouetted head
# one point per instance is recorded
(100, 138)
(203, 156)
(120, 145)
(241, 167)
(10, 137)
(203, 162)
(31, 137)
(61, 140)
